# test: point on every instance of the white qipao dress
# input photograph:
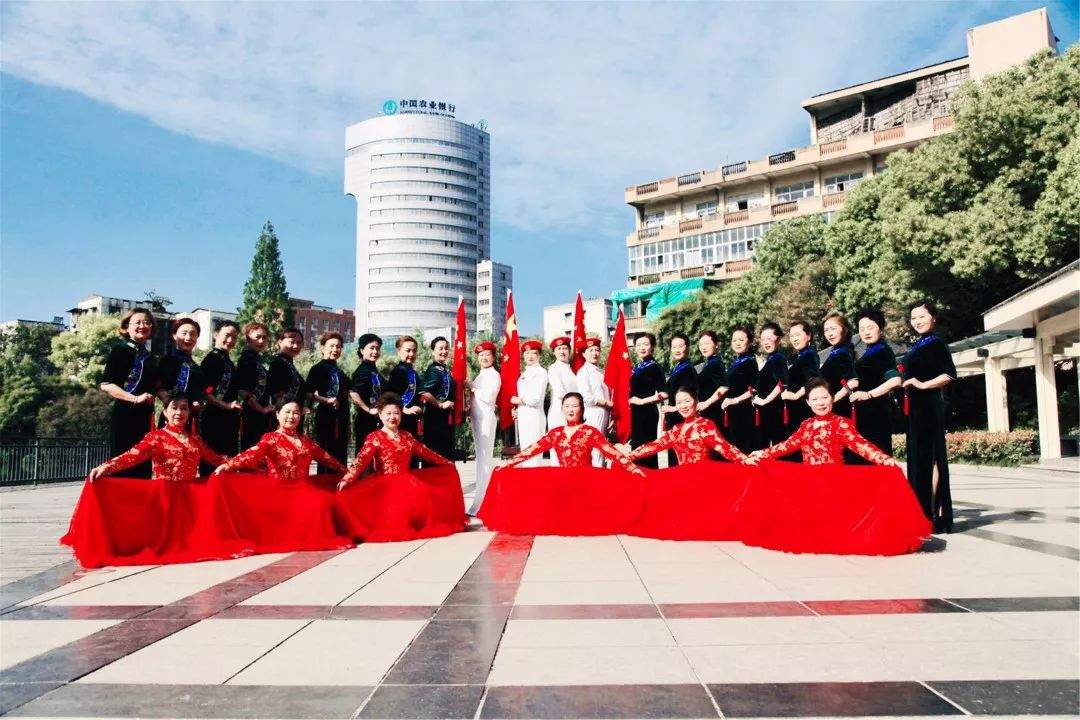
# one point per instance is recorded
(485, 423)
(561, 380)
(532, 385)
(590, 383)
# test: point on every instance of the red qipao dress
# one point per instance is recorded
(698, 499)
(824, 506)
(283, 508)
(395, 502)
(170, 518)
(573, 498)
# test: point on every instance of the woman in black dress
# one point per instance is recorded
(682, 375)
(179, 373)
(928, 367)
(839, 365)
(437, 395)
(646, 393)
(367, 385)
(283, 381)
(220, 421)
(878, 377)
(255, 418)
(770, 383)
(405, 382)
(130, 379)
(712, 378)
(738, 422)
(329, 388)
(804, 367)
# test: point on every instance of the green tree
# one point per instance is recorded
(24, 368)
(79, 357)
(265, 297)
(74, 412)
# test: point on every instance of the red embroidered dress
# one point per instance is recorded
(167, 519)
(396, 502)
(287, 462)
(822, 440)
(575, 450)
(692, 440)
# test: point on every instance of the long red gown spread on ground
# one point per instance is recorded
(282, 509)
(167, 519)
(573, 498)
(395, 502)
(823, 506)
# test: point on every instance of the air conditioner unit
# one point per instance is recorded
(710, 269)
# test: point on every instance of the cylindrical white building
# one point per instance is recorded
(422, 183)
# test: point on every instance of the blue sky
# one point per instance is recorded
(143, 145)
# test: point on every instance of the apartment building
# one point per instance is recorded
(493, 281)
(559, 319)
(315, 320)
(705, 223)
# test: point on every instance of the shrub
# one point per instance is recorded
(980, 447)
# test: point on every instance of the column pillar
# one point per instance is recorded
(997, 404)
(1046, 400)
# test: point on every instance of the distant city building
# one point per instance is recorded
(703, 224)
(104, 305)
(493, 281)
(209, 322)
(422, 183)
(56, 324)
(315, 320)
(559, 319)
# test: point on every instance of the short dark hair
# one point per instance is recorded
(649, 336)
(327, 337)
(366, 339)
(689, 390)
(177, 396)
(680, 336)
(842, 321)
(227, 323)
(775, 327)
(806, 327)
(436, 341)
(931, 308)
(572, 394)
(387, 399)
(747, 331)
(815, 383)
(404, 339)
(873, 315)
(709, 334)
(285, 400)
(181, 322)
(285, 332)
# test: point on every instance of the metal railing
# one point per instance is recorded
(690, 179)
(35, 460)
(781, 158)
(734, 168)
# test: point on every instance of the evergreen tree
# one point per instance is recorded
(265, 297)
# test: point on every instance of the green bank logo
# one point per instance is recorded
(390, 107)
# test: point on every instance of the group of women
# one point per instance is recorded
(220, 418)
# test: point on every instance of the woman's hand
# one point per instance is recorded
(515, 400)
(859, 396)
(413, 410)
(95, 473)
(219, 469)
(756, 455)
(446, 405)
(234, 405)
(726, 403)
(372, 411)
(756, 400)
(787, 395)
(342, 485)
(661, 396)
(143, 398)
(915, 383)
(751, 459)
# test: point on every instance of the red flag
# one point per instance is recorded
(510, 368)
(578, 336)
(617, 377)
(460, 365)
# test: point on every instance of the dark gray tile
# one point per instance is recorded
(198, 701)
(881, 607)
(409, 702)
(450, 652)
(1018, 604)
(734, 609)
(12, 695)
(1038, 546)
(1013, 697)
(30, 586)
(598, 701)
(382, 612)
(586, 612)
(275, 612)
(477, 593)
(473, 612)
(78, 612)
(829, 699)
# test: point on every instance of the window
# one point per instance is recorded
(654, 219)
(841, 183)
(705, 209)
(746, 201)
(787, 193)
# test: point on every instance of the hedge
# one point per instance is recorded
(981, 447)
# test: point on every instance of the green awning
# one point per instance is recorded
(660, 295)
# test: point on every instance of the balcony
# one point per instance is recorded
(881, 136)
(733, 168)
(945, 122)
(834, 200)
(648, 232)
(784, 208)
(832, 147)
(691, 179)
(688, 225)
(781, 158)
(648, 188)
(736, 217)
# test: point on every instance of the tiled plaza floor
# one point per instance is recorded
(985, 622)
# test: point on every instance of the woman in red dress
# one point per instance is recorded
(167, 519)
(823, 506)
(572, 498)
(395, 502)
(283, 509)
(698, 499)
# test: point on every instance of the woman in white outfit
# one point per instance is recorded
(597, 395)
(529, 401)
(561, 380)
(485, 418)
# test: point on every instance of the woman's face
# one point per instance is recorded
(592, 354)
(140, 327)
(562, 353)
(186, 336)
(371, 351)
(390, 416)
(441, 351)
(769, 340)
(798, 337)
(177, 413)
(740, 343)
(869, 331)
(678, 349)
(834, 331)
(226, 338)
(685, 404)
(486, 358)
(257, 339)
(289, 416)
(820, 400)
(572, 410)
(532, 357)
(921, 320)
(643, 347)
(331, 349)
(289, 344)
(407, 352)
(706, 346)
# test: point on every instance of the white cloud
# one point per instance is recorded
(582, 99)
